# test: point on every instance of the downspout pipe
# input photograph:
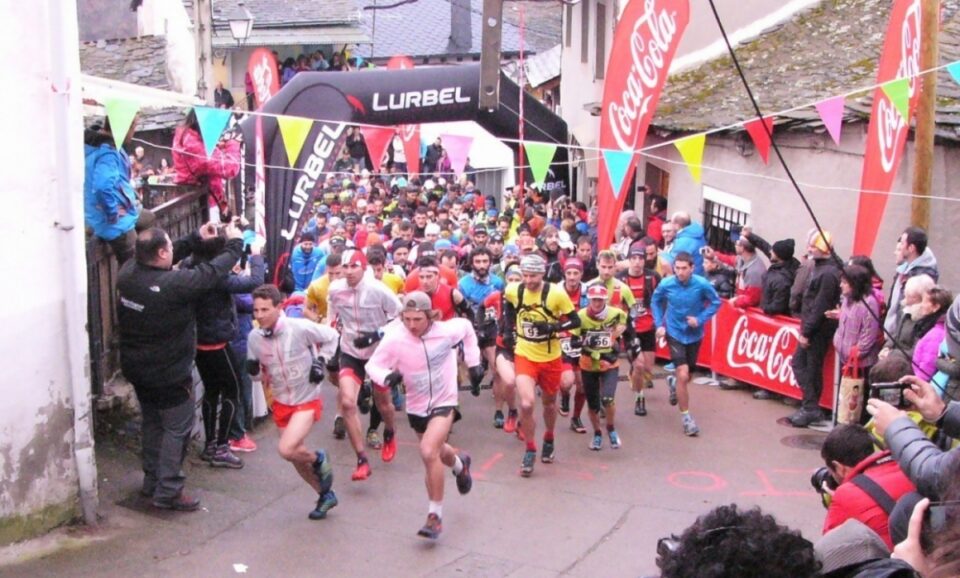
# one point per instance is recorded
(68, 178)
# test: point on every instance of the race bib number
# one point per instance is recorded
(599, 339)
(490, 315)
(529, 331)
(567, 348)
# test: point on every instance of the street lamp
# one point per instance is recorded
(241, 25)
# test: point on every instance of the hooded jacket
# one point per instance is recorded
(777, 281)
(690, 239)
(194, 167)
(858, 327)
(925, 264)
(216, 310)
(304, 265)
(821, 295)
(674, 301)
(109, 200)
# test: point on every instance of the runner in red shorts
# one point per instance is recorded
(285, 349)
(536, 312)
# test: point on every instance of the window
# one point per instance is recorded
(601, 52)
(721, 211)
(568, 16)
(584, 31)
(657, 180)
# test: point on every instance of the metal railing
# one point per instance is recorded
(179, 210)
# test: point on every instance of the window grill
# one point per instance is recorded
(718, 220)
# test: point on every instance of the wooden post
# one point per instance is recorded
(926, 117)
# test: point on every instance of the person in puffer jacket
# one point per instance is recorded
(194, 167)
(110, 203)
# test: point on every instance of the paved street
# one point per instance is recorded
(588, 514)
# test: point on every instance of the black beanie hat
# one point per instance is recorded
(784, 249)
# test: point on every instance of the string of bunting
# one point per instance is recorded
(294, 131)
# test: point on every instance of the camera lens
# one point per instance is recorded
(820, 477)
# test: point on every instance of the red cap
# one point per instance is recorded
(351, 256)
(596, 292)
(573, 263)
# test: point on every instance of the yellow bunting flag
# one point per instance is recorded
(691, 149)
(294, 131)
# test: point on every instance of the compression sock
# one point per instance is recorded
(362, 458)
(610, 427)
(579, 400)
(387, 435)
(548, 436)
(531, 446)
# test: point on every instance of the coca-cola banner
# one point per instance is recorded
(262, 68)
(757, 349)
(644, 43)
(888, 128)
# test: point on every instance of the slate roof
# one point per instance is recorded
(822, 52)
(422, 29)
(289, 13)
(543, 66)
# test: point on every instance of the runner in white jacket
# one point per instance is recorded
(284, 348)
(422, 353)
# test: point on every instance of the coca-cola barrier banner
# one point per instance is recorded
(757, 349)
(644, 43)
(381, 97)
(888, 129)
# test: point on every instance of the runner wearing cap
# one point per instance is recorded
(601, 326)
(570, 345)
(618, 292)
(504, 365)
(421, 353)
(536, 312)
(643, 343)
(362, 306)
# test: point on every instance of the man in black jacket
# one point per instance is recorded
(778, 279)
(157, 346)
(822, 294)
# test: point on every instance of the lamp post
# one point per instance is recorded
(241, 25)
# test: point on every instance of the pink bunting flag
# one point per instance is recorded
(458, 149)
(377, 140)
(831, 113)
(761, 136)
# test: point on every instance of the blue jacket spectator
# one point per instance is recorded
(690, 239)
(304, 259)
(674, 301)
(109, 199)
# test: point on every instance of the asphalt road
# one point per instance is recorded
(588, 514)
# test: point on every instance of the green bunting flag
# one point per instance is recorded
(898, 91)
(539, 155)
(212, 121)
(294, 131)
(120, 113)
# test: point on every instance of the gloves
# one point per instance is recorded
(544, 328)
(367, 338)
(476, 376)
(318, 370)
(393, 379)
(609, 357)
(253, 367)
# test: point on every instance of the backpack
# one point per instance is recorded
(541, 308)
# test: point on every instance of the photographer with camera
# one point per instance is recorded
(863, 484)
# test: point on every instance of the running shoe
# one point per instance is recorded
(526, 466)
(389, 449)
(670, 367)
(672, 386)
(689, 426)
(208, 450)
(615, 440)
(498, 419)
(640, 408)
(432, 528)
(510, 425)
(325, 503)
(244, 444)
(182, 503)
(548, 452)
(564, 404)
(224, 458)
(576, 424)
(373, 439)
(339, 429)
(362, 472)
(464, 479)
(597, 443)
(323, 470)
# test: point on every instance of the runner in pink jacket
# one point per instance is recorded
(422, 353)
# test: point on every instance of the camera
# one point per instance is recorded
(891, 393)
(823, 476)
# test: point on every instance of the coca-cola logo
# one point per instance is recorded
(892, 123)
(650, 40)
(765, 355)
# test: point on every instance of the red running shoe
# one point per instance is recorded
(362, 472)
(510, 425)
(244, 444)
(389, 449)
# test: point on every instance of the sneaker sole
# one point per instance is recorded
(428, 534)
(525, 473)
(693, 433)
(226, 465)
(242, 450)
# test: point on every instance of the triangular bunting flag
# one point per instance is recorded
(898, 91)
(617, 163)
(377, 140)
(691, 149)
(539, 155)
(212, 123)
(761, 136)
(458, 150)
(831, 113)
(294, 131)
(954, 70)
(120, 113)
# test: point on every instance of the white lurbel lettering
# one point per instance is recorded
(418, 99)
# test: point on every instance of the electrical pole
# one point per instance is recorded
(926, 116)
(492, 24)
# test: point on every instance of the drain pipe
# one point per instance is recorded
(68, 179)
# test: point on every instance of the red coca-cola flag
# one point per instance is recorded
(377, 140)
(644, 43)
(410, 133)
(888, 129)
(262, 68)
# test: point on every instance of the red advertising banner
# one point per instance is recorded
(888, 129)
(644, 43)
(262, 68)
(377, 140)
(758, 350)
(410, 133)
(400, 63)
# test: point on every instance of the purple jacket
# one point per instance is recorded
(858, 328)
(926, 350)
